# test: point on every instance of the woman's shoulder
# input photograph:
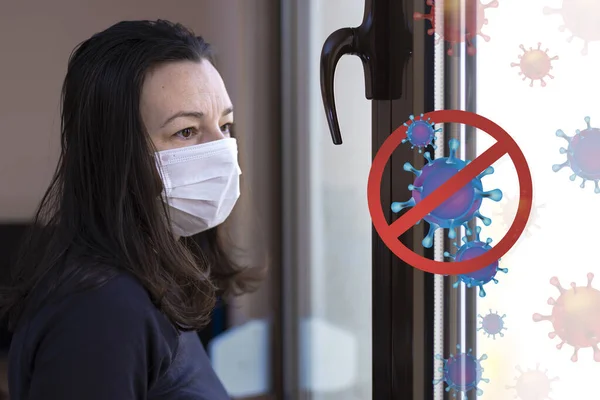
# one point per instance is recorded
(111, 332)
(120, 293)
(118, 304)
(104, 289)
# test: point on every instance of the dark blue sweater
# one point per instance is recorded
(108, 343)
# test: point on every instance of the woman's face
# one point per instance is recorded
(184, 104)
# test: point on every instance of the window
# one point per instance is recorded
(332, 227)
(561, 235)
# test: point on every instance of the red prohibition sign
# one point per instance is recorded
(390, 233)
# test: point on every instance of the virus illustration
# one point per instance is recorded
(461, 207)
(582, 155)
(533, 384)
(581, 18)
(421, 133)
(455, 32)
(575, 317)
(492, 324)
(535, 64)
(473, 249)
(462, 373)
(508, 210)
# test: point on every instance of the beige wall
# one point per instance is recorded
(36, 39)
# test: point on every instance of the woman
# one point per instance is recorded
(108, 293)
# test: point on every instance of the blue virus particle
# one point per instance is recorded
(582, 155)
(462, 373)
(421, 133)
(492, 324)
(472, 249)
(461, 207)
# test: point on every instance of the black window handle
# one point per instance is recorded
(383, 42)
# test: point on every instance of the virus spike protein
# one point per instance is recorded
(417, 16)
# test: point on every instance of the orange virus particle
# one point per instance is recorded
(508, 209)
(580, 17)
(455, 31)
(532, 384)
(535, 64)
(575, 317)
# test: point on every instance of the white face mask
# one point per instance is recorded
(201, 184)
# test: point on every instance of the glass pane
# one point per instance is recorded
(560, 241)
(336, 333)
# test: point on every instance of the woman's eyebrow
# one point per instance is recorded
(180, 114)
(227, 111)
(193, 114)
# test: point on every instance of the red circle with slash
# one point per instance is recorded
(390, 233)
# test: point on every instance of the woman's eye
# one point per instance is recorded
(227, 129)
(186, 133)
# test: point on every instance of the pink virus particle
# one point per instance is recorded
(535, 64)
(582, 155)
(580, 17)
(456, 31)
(533, 384)
(575, 317)
(492, 324)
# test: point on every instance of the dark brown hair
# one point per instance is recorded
(101, 213)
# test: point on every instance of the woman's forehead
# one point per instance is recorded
(184, 86)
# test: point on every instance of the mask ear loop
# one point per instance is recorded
(161, 177)
(160, 191)
(163, 181)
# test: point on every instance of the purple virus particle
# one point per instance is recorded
(421, 133)
(492, 324)
(582, 155)
(462, 373)
(461, 207)
(473, 249)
